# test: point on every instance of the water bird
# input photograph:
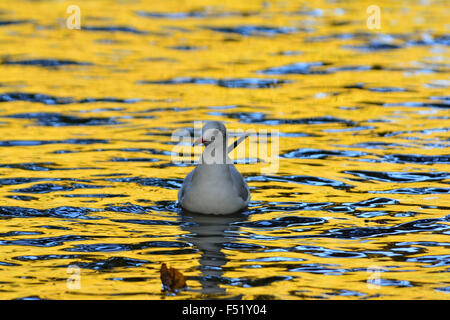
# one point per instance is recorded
(215, 186)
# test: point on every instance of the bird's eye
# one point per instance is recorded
(213, 138)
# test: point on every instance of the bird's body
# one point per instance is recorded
(214, 186)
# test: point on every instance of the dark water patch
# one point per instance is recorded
(389, 282)
(445, 98)
(68, 212)
(19, 212)
(111, 175)
(254, 30)
(151, 182)
(47, 257)
(145, 221)
(308, 153)
(422, 225)
(443, 289)
(373, 203)
(14, 181)
(173, 109)
(53, 227)
(125, 29)
(111, 263)
(319, 268)
(44, 166)
(165, 205)
(381, 42)
(22, 198)
(51, 100)
(144, 150)
(182, 80)
(438, 84)
(288, 207)
(274, 259)
(348, 68)
(398, 41)
(440, 105)
(116, 247)
(398, 133)
(340, 36)
(251, 83)
(297, 135)
(64, 151)
(308, 180)
(296, 68)
(131, 279)
(359, 128)
(134, 159)
(18, 233)
(387, 89)
(110, 99)
(8, 264)
(416, 158)
(248, 83)
(240, 246)
(171, 15)
(352, 207)
(100, 195)
(258, 282)
(423, 244)
(30, 298)
(35, 97)
(313, 120)
(246, 117)
(186, 48)
(13, 22)
(282, 222)
(442, 39)
(400, 177)
(130, 208)
(425, 190)
(289, 53)
(308, 12)
(43, 242)
(345, 293)
(359, 85)
(52, 187)
(432, 261)
(326, 252)
(49, 63)
(22, 143)
(193, 14)
(32, 166)
(376, 145)
(374, 46)
(362, 86)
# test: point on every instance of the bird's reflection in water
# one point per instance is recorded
(209, 233)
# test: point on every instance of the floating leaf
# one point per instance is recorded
(172, 279)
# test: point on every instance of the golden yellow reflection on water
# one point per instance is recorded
(358, 208)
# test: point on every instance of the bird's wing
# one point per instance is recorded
(240, 184)
(186, 183)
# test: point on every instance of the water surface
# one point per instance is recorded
(359, 208)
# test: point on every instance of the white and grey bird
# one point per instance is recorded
(214, 186)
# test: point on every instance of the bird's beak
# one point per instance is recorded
(199, 141)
